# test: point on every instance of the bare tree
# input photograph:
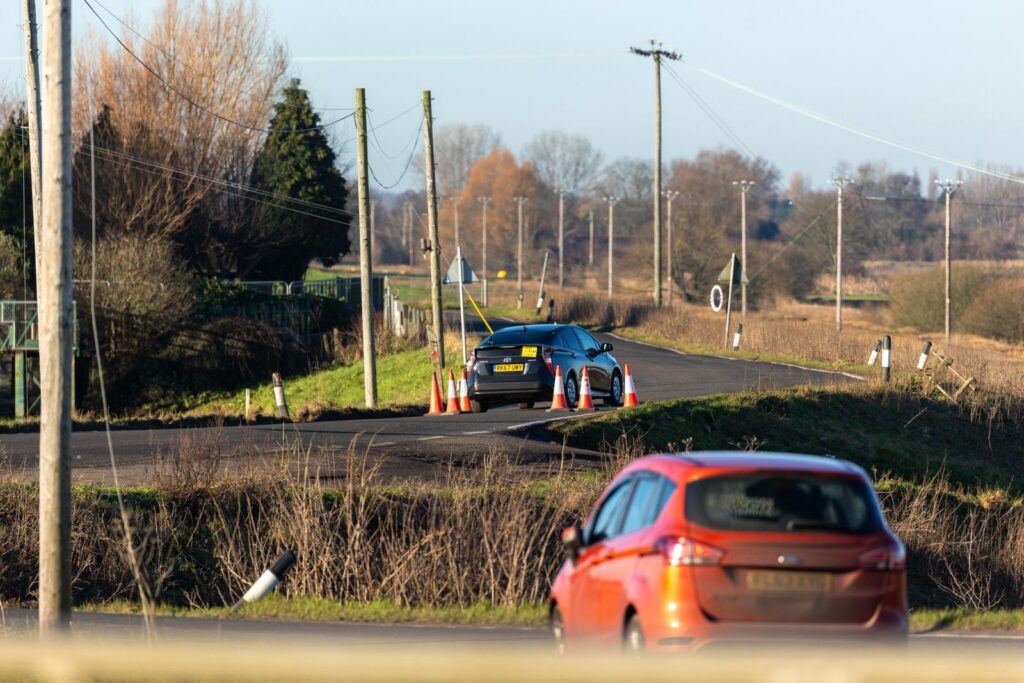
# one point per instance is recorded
(205, 113)
(564, 161)
(456, 149)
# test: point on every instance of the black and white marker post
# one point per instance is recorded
(874, 352)
(886, 357)
(736, 337)
(282, 407)
(269, 580)
(923, 359)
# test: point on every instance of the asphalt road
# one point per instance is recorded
(416, 445)
(18, 620)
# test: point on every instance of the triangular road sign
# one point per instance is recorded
(452, 276)
(738, 277)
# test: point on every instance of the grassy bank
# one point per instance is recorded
(882, 429)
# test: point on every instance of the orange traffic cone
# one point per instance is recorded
(630, 400)
(436, 406)
(453, 396)
(464, 405)
(586, 401)
(558, 399)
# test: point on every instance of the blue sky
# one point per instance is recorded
(935, 74)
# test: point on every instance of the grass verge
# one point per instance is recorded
(313, 609)
(307, 608)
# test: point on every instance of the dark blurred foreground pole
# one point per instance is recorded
(55, 325)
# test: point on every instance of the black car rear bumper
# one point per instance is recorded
(521, 388)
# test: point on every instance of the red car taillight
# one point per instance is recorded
(889, 558)
(678, 551)
(546, 354)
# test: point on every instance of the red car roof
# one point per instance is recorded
(744, 460)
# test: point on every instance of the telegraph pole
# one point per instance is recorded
(435, 242)
(744, 185)
(520, 200)
(657, 55)
(373, 229)
(949, 187)
(670, 196)
(612, 201)
(55, 325)
(561, 235)
(34, 111)
(484, 201)
(840, 183)
(365, 255)
(591, 262)
(455, 204)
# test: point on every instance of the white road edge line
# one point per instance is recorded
(482, 431)
(850, 375)
(382, 443)
(560, 418)
(431, 438)
(973, 636)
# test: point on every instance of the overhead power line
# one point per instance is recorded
(192, 101)
(852, 129)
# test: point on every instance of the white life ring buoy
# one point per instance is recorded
(717, 298)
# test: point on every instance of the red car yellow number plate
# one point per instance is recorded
(789, 582)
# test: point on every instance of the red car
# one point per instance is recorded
(689, 549)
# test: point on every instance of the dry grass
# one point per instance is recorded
(486, 535)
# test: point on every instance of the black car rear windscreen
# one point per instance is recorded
(515, 336)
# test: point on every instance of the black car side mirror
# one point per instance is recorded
(606, 347)
(572, 541)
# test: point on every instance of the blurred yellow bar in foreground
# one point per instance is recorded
(77, 659)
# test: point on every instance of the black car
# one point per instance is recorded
(517, 364)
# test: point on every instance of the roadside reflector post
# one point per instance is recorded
(886, 357)
(923, 359)
(874, 352)
(736, 337)
(282, 407)
(248, 405)
(269, 580)
(483, 286)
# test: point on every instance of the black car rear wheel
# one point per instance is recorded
(614, 397)
(572, 391)
(478, 406)
(525, 405)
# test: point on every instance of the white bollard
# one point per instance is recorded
(269, 580)
(736, 337)
(282, 407)
(886, 357)
(923, 359)
(874, 352)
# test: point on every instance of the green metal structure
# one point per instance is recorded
(19, 338)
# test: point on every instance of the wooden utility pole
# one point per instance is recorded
(55, 325)
(744, 185)
(435, 242)
(484, 201)
(519, 253)
(840, 184)
(612, 201)
(365, 256)
(670, 196)
(373, 229)
(657, 55)
(561, 236)
(591, 259)
(949, 187)
(33, 109)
